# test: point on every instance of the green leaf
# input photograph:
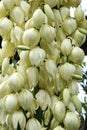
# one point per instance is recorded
(18, 126)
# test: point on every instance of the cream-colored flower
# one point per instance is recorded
(65, 12)
(66, 47)
(5, 88)
(69, 25)
(2, 10)
(73, 88)
(67, 70)
(59, 111)
(31, 37)
(16, 81)
(5, 65)
(8, 4)
(33, 76)
(29, 24)
(66, 96)
(77, 103)
(58, 128)
(27, 101)
(16, 35)
(79, 14)
(51, 68)
(36, 56)
(71, 121)
(33, 124)
(18, 116)
(52, 3)
(60, 83)
(43, 99)
(38, 18)
(5, 26)
(49, 12)
(10, 103)
(47, 33)
(26, 8)
(76, 55)
(17, 15)
(24, 58)
(79, 38)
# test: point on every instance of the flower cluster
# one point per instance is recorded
(39, 90)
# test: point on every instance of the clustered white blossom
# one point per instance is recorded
(39, 90)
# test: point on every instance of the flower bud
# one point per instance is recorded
(43, 99)
(59, 111)
(36, 56)
(38, 18)
(76, 55)
(33, 75)
(69, 25)
(66, 47)
(5, 26)
(10, 103)
(16, 81)
(26, 101)
(31, 37)
(49, 12)
(33, 124)
(5, 65)
(18, 117)
(47, 33)
(67, 69)
(15, 13)
(71, 121)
